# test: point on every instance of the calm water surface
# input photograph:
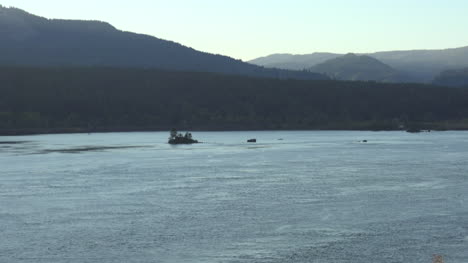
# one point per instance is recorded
(310, 197)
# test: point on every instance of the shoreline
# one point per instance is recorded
(29, 132)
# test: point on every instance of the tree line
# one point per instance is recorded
(115, 99)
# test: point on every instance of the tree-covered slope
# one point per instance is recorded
(112, 99)
(453, 78)
(30, 40)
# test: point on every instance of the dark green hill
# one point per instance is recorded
(43, 100)
(353, 67)
(453, 78)
(29, 40)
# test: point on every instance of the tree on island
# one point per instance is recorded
(178, 138)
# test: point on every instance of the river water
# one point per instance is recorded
(295, 196)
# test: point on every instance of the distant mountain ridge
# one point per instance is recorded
(424, 65)
(417, 65)
(31, 40)
(293, 62)
(358, 68)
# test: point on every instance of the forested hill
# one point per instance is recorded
(31, 40)
(110, 99)
(354, 67)
(455, 78)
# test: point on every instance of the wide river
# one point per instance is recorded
(303, 196)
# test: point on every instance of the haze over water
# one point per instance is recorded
(321, 196)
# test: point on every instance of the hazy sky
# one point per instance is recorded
(247, 29)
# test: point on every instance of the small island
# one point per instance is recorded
(178, 138)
